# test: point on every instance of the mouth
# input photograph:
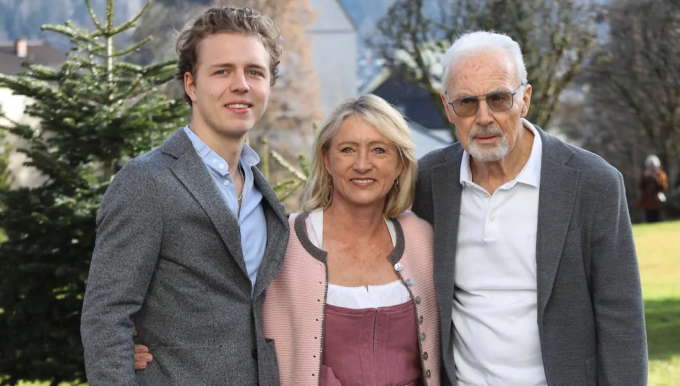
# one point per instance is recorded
(363, 181)
(486, 139)
(239, 107)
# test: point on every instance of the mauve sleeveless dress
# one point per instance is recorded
(371, 347)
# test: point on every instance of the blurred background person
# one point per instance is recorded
(653, 184)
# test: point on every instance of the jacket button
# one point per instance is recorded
(427, 373)
(409, 282)
(422, 336)
(425, 356)
(254, 353)
(417, 299)
(420, 320)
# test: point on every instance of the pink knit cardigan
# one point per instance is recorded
(294, 308)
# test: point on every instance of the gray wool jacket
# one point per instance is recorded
(168, 262)
(590, 310)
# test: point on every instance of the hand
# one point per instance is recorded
(142, 356)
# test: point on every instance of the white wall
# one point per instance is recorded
(13, 107)
(334, 53)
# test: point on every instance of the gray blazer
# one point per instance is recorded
(168, 262)
(590, 312)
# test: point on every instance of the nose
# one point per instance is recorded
(362, 163)
(483, 116)
(239, 84)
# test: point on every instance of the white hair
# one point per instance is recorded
(652, 162)
(480, 41)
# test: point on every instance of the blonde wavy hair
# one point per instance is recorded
(389, 122)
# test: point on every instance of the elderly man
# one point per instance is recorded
(535, 267)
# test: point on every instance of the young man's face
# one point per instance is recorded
(231, 83)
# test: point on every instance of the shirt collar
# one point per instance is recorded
(248, 158)
(530, 173)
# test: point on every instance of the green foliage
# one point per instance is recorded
(6, 177)
(95, 112)
(286, 188)
(659, 259)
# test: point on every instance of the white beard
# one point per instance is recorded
(488, 153)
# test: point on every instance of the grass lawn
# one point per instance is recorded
(658, 248)
(659, 254)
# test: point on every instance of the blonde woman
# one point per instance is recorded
(354, 301)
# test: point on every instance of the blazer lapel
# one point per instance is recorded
(555, 206)
(269, 195)
(191, 171)
(277, 234)
(446, 194)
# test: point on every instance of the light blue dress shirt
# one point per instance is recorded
(251, 218)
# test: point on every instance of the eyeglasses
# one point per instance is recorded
(497, 101)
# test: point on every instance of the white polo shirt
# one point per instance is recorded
(496, 341)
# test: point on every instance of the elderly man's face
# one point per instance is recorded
(487, 135)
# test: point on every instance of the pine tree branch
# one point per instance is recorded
(134, 48)
(162, 72)
(129, 24)
(265, 158)
(304, 162)
(109, 17)
(287, 193)
(93, 16)
(10, 120)
(292, 169)
(130, 90)
(44, 73)
(76, 36)
(131, 67)
(158, 66)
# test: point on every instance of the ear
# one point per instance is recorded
(400, 168)
(269, 82)
(190, 86)
(527, 101)
(326, 163)
(447, 107)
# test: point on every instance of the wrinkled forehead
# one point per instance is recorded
(482, 72)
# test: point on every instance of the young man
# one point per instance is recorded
(534, 263)
(190, 234)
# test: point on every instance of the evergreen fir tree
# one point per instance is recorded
(6, 176)
(96, 112)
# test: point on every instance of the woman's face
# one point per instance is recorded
(363, 164)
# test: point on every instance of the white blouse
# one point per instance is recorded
(385, 295)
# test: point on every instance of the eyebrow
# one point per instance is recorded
(370, 143)
(232, 65)
(463, 96)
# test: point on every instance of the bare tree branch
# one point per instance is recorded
(557, 38)
(644, 72)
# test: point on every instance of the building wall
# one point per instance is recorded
(334, 53)
(13, 107)
(414, 101)
(427, 140)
